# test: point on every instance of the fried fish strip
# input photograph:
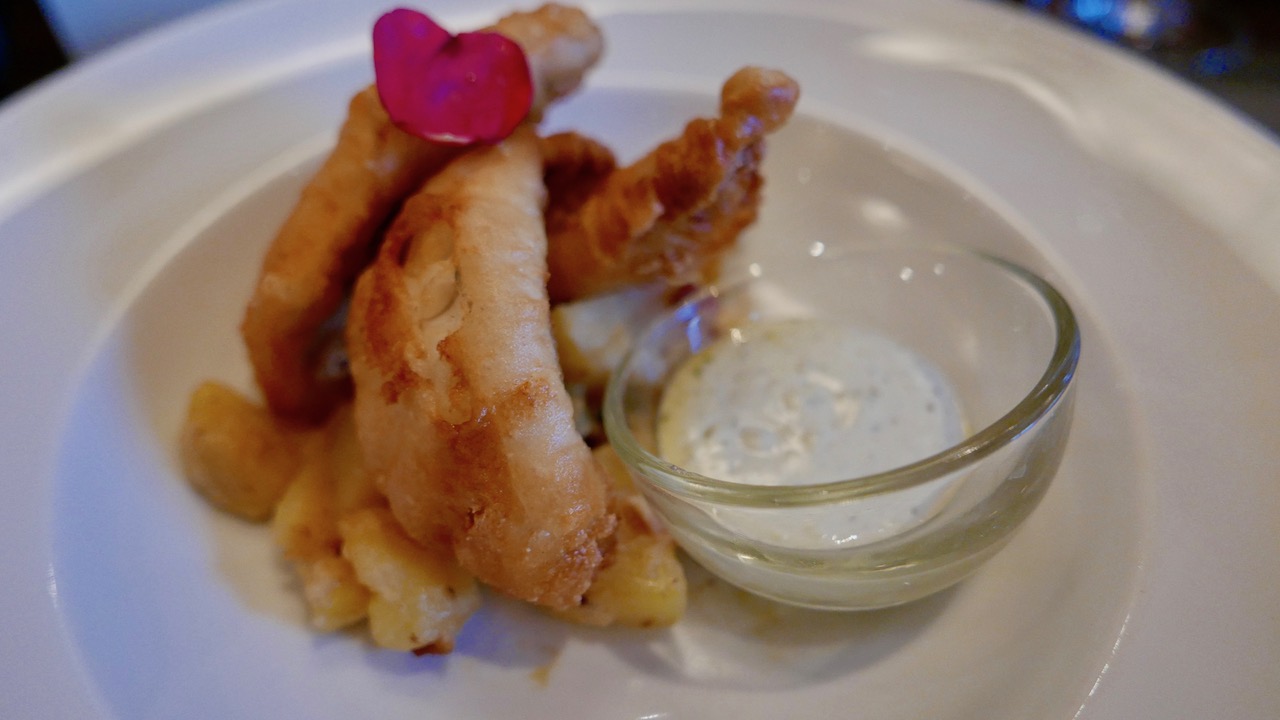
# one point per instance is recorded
(330, 235)
(461, 410)
(673, 213)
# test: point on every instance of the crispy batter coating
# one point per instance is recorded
(672, 214)
(331, 234)
(461, 410)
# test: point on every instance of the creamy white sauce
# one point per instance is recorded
(801, 402)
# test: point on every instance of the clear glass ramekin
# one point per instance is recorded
(1003, 338)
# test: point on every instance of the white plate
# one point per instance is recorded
(137, 191)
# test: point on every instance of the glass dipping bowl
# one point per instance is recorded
(1004, 341)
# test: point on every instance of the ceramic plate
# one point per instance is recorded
(138, 190)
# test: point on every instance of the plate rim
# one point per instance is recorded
(53, 96)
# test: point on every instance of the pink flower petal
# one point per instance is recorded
(468, 88)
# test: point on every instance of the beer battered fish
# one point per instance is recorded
(671, 215)
(461, 410)
(331, 234)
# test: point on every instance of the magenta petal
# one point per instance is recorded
(473, 87)
(404, 44)
(479, 89)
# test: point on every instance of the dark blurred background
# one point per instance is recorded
(1229, 47)
(28, 48)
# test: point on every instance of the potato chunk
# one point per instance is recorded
(593, 335)
(642, 583)
(335, 598)
(421, 596)
(331, 483)
(237, 454)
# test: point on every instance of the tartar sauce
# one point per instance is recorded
(801, 402)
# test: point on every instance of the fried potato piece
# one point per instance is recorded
(461, 409)
(672, 214)
(236, 454)
(331, 233)
(331, 484)
(641, 582)
(421, 596)
(593, 335)
(335, 597)
(305, 524)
